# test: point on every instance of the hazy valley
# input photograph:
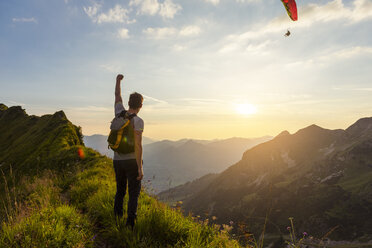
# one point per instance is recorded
(170, 163)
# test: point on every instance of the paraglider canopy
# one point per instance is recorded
(291, 7)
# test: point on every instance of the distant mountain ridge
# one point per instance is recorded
(170, 163)
(321, 177)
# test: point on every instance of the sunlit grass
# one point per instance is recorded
(157, 224)
(76, 210)
(60, 226)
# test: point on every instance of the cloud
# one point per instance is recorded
(123, 33)
(179, 47)
(259, 48)
(169, 32)
(111, 68)
(190, 31)
(214, 2)
(250, 47)
(248, 1)
(118, 14)
(362, 10)
(160, 33)
(185, 106)
(197, 101)
(154, 99)
(91, 11)
(167, 9)
(13, 103)
(342, 54)
(90, 108)
(32, 19)
(353, 51)
(146, 7)
(363, 89)
(337, 55)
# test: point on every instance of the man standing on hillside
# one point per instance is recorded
(128, 167)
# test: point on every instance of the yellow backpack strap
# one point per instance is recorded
(120, 135)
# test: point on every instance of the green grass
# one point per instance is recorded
(73, 207)
(249, 197)
(157, 224)
(357, 180)
(61, 226)
(38, 217)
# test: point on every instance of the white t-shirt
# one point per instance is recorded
(138, 125)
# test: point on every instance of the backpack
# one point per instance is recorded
(121, 137)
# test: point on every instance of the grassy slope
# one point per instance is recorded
(54, 198)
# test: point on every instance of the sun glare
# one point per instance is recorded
(245, 109)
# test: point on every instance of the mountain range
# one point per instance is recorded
(170, 163)
(320, 177)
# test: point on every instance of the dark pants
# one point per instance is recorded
(127, 171)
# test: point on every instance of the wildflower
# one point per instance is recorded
(206, 221)
(94, 237)
(226, 228)
(288, 228)
(231, 222)
(214, 218)
(304, 233)
(217, 227)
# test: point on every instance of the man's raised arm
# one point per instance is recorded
(119, 77)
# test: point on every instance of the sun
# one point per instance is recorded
(245, 109)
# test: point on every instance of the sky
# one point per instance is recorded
(207, 68)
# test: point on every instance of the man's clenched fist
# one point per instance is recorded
(119, 77)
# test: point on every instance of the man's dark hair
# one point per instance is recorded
(135, 100)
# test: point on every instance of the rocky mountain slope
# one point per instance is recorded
(321, 177)
(31, 143)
